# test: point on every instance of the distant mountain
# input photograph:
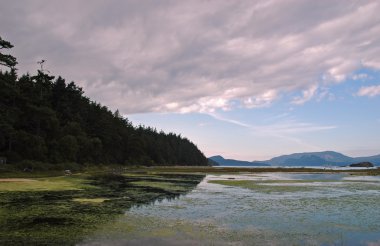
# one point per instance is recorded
(312, 159)
(330, 158)
(307, 160)
(231, 162)
(212, 163)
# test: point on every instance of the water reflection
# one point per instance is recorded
(336, 210)
(169, 187)
(314, 176)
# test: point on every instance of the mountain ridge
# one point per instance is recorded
(231, 162)
(322, 158)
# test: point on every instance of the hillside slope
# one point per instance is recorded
(231, 162)
(47, 121)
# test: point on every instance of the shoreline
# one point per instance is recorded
(188, 170)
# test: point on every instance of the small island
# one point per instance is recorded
(362, 164)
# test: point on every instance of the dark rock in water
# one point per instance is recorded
(362, 164)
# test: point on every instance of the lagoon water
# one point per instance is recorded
(260, 209)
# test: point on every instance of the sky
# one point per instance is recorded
(247, 80)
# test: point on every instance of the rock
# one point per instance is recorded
(362, 164)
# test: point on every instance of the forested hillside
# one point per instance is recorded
(48, 120)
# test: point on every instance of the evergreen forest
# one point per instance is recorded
(46, 122)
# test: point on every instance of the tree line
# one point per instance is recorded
(48, 120)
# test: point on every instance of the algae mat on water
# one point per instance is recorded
(64, 210)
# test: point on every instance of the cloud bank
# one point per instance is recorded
(195, 56)
(369, 91)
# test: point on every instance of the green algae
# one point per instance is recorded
(44, 184)
(62, 210)
(161, 185)
(156, 230)
(91, 200)
(153, 230)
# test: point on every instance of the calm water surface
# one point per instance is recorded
(279, 209)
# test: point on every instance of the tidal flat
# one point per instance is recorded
(64, 210)
(276, 208)
(192, 206)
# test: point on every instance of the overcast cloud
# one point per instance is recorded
(195, 56)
